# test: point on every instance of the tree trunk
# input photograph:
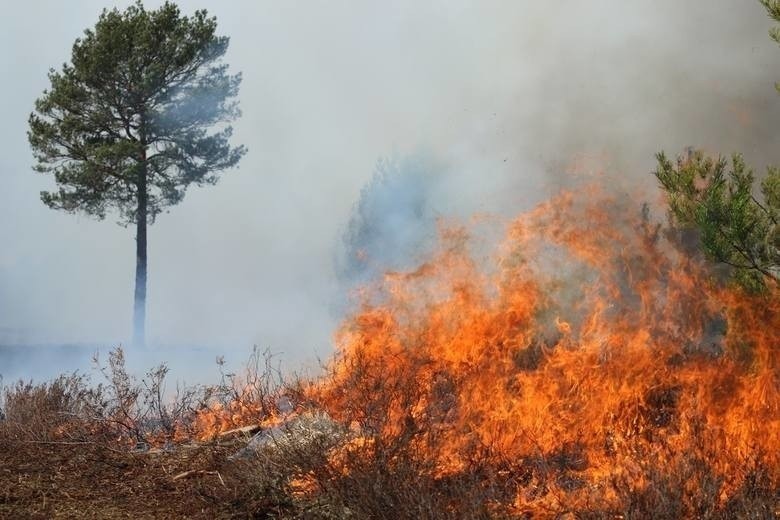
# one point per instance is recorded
(139, 317)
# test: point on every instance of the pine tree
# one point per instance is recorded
(126, 125)
(736, 226)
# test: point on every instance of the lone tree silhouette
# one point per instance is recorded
(126, 125)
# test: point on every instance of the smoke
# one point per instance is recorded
(509, 102)
(394, 221)
(580, 91)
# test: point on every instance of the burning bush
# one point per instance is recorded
(259, 397)
(590, 365)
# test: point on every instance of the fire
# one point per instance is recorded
(587, 361)
(244, 409)
(253, 400)
(587, 350)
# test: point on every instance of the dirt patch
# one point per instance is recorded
(58, 480)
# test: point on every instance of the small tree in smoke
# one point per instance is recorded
(125, 125)
(394, 218)
(737, 225)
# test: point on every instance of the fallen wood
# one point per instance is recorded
(194, 472)
(245, 430)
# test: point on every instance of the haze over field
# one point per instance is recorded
(491, 101)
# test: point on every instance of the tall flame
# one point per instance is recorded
(588, 345)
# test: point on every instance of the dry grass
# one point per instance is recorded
(71, 449)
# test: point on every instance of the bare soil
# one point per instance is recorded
(58, 480)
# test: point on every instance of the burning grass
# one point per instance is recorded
(590, 367)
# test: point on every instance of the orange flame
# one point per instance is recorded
(590, 345)
(242, 410)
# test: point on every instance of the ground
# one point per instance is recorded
(90, 481)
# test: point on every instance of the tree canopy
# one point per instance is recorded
(136, 101)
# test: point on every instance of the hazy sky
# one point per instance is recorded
(505, 94)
